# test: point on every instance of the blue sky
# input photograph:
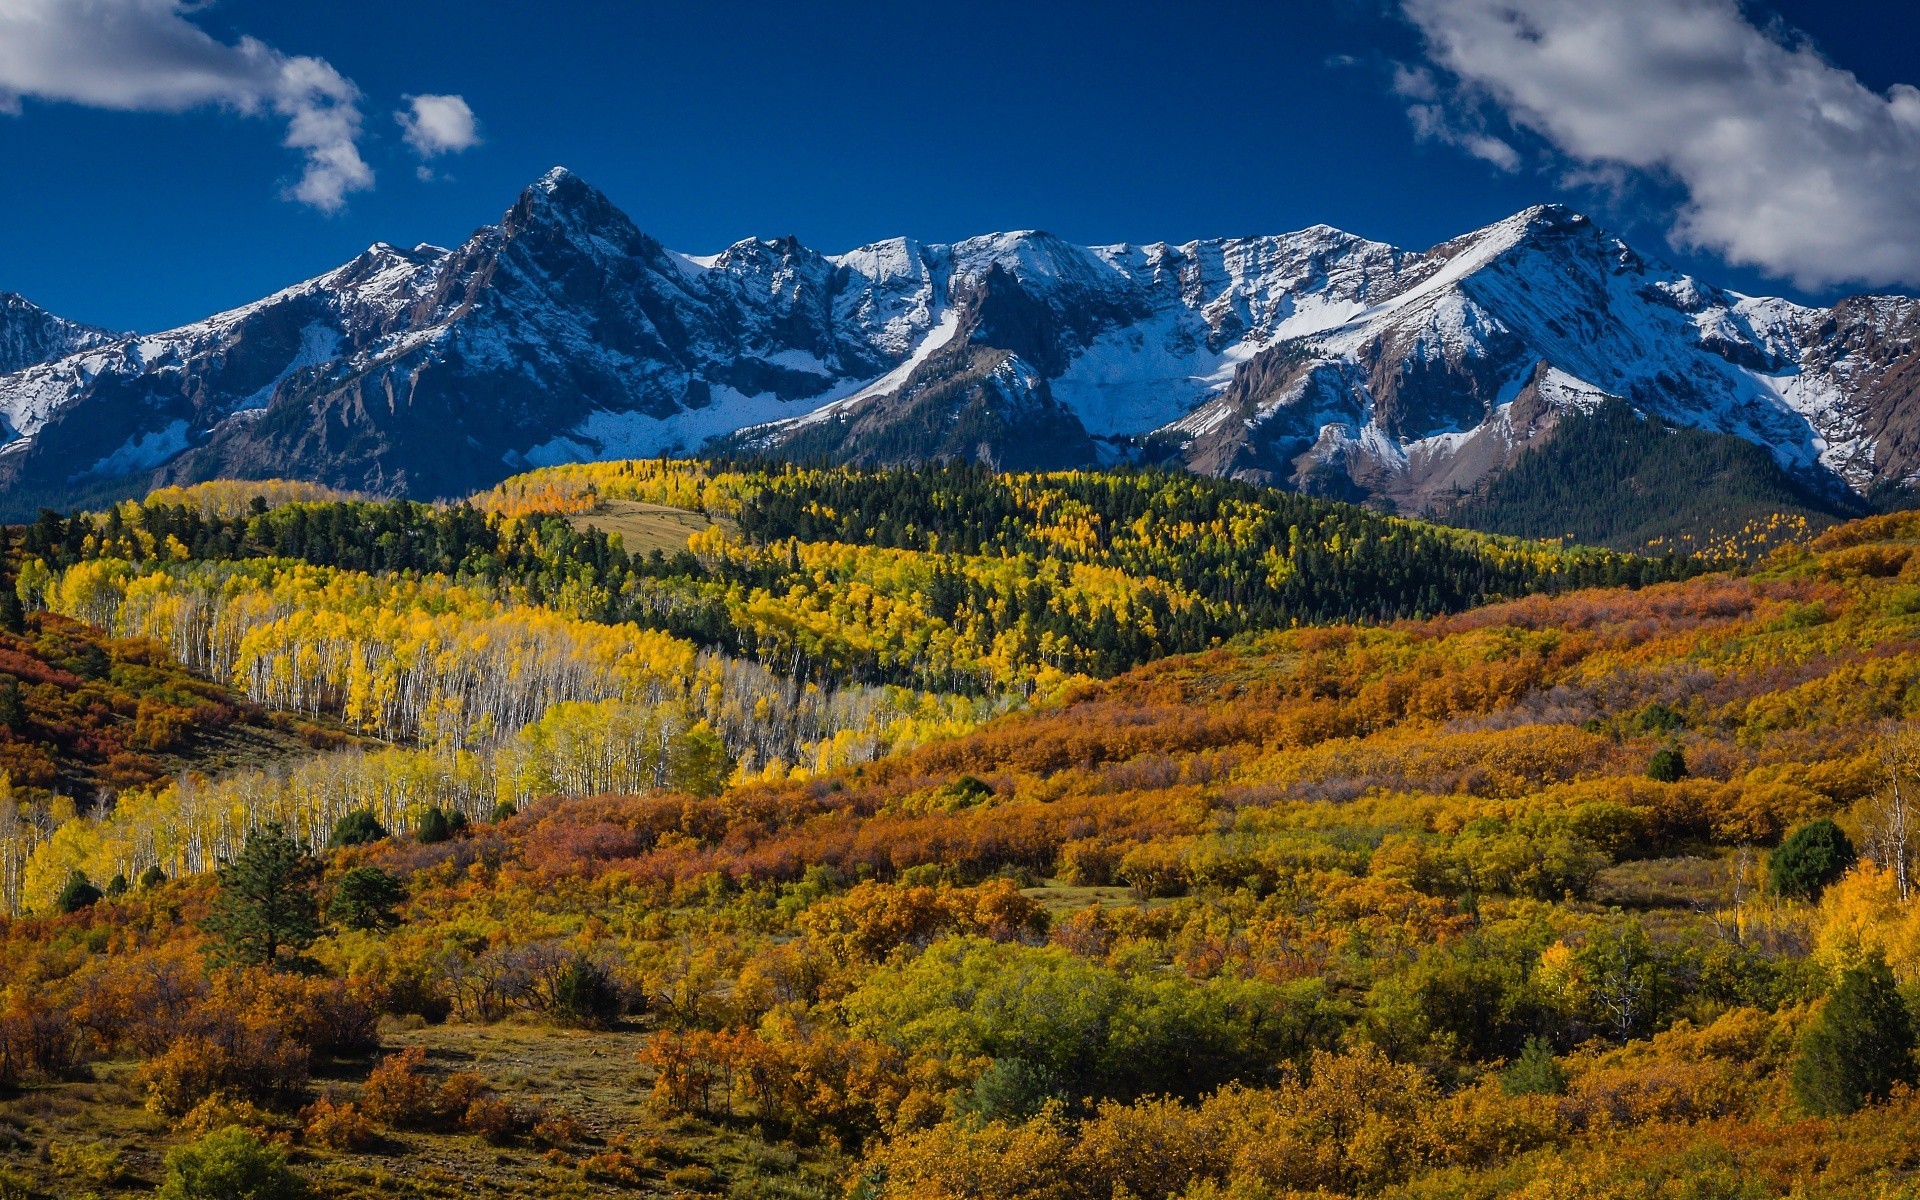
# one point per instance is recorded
(844, 123)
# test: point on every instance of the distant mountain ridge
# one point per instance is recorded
(1315, 360)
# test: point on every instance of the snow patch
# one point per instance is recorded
(142, 452)
(942, 332)
(318, 344)
(605, 435)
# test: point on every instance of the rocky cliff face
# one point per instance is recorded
(30, 334)
(1314, 360)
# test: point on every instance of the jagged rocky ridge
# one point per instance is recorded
(30, 334)
(1315, 360)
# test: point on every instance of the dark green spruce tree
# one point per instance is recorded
(266, 904)
(1859, 1046)
(366, 898)
(1810, 858)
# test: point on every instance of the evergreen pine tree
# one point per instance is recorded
(78, 893)
(13, 615)
(432, 828)
(356, 828)
(13, 711)
(1535, 1072)
(1810, 858)
(266, 900)
(1668, 765)
(1859, 1046)
(365, 898)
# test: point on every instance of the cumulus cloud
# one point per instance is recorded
(436, 125)
(1789, 163)
(146, 56)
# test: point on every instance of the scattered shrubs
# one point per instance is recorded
(89, 1165)
(1811, 857)
(496, 1119)
(250, 1034)
(557, 1127)
(618, 1167)
(692, 1177)
(251, 1058)
(231, 1164)
(401, 1094)
(220, 1111)
(338, 1125)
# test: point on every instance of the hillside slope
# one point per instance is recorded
(1612, 477)
(1472, 905)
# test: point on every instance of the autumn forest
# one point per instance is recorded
(693, 828)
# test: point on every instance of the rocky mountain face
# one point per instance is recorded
(30, 334)
(1313, 360)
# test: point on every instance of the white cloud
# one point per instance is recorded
(438, 125)
(145, 55)
(1456, 124)
(1789, 163)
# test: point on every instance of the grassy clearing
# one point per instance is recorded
(628, 1149)
(645, 527)
(1060, 898)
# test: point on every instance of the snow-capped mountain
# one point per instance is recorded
(30, 334)
(1314, 359)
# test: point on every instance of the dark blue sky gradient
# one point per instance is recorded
(840, 123)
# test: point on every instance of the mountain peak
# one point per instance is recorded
(562, 200)
(30, 334)
(564, 332)
(561, 188)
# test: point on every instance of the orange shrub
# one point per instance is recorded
(339, 1125)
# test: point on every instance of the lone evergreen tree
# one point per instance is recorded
(1859, 1046)
(1811, 857)
(357, 828)
(13, 712)
(439, 824)
(585, 993)
(1668, 765)
(76, 894)
(365, 898)
(1535, 1072)
(266, 900)
(13, 615)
